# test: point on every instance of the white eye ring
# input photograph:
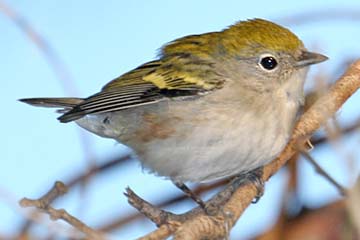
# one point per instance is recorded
(268, 62)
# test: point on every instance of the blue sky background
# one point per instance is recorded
(100, 40)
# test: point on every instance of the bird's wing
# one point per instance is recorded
(150, 83)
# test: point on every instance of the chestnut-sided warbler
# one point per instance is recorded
(211, 106)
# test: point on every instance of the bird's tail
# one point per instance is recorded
(52, 102)
(65, 104)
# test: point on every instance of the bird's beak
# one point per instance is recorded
(308, 58)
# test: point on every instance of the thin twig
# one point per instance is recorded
(343, 131)
(43, 204)
(343, 191)
(117, 223)
(99, 169)
(80, 178)
(157, 215)
(55, 62)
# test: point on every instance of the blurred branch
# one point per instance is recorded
(43, 204)
(328, 222)
(322, 172)
(102, 168)
(321, 15)
(201, 225)
(45, 48)
(343, 131)
(353, 207)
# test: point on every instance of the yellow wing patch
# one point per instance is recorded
(176, 80)
(173, 74)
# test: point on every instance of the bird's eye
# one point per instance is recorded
(268, 62)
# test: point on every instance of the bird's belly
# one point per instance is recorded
(205, 145)
(194, 143)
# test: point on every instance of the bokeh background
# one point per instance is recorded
(85, 44)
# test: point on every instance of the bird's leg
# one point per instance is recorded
(189, 193)
(254, 177)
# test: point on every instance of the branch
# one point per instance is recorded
(82, 178)
(341, 132)
(353, 207)
(43, 204)
(322, 172)
(201, 225)
(203, 188)
(53, 59)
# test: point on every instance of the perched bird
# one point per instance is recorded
(211, 106)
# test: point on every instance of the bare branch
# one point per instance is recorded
(203, 188)
(43, 204)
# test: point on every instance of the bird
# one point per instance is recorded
(210, 106)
